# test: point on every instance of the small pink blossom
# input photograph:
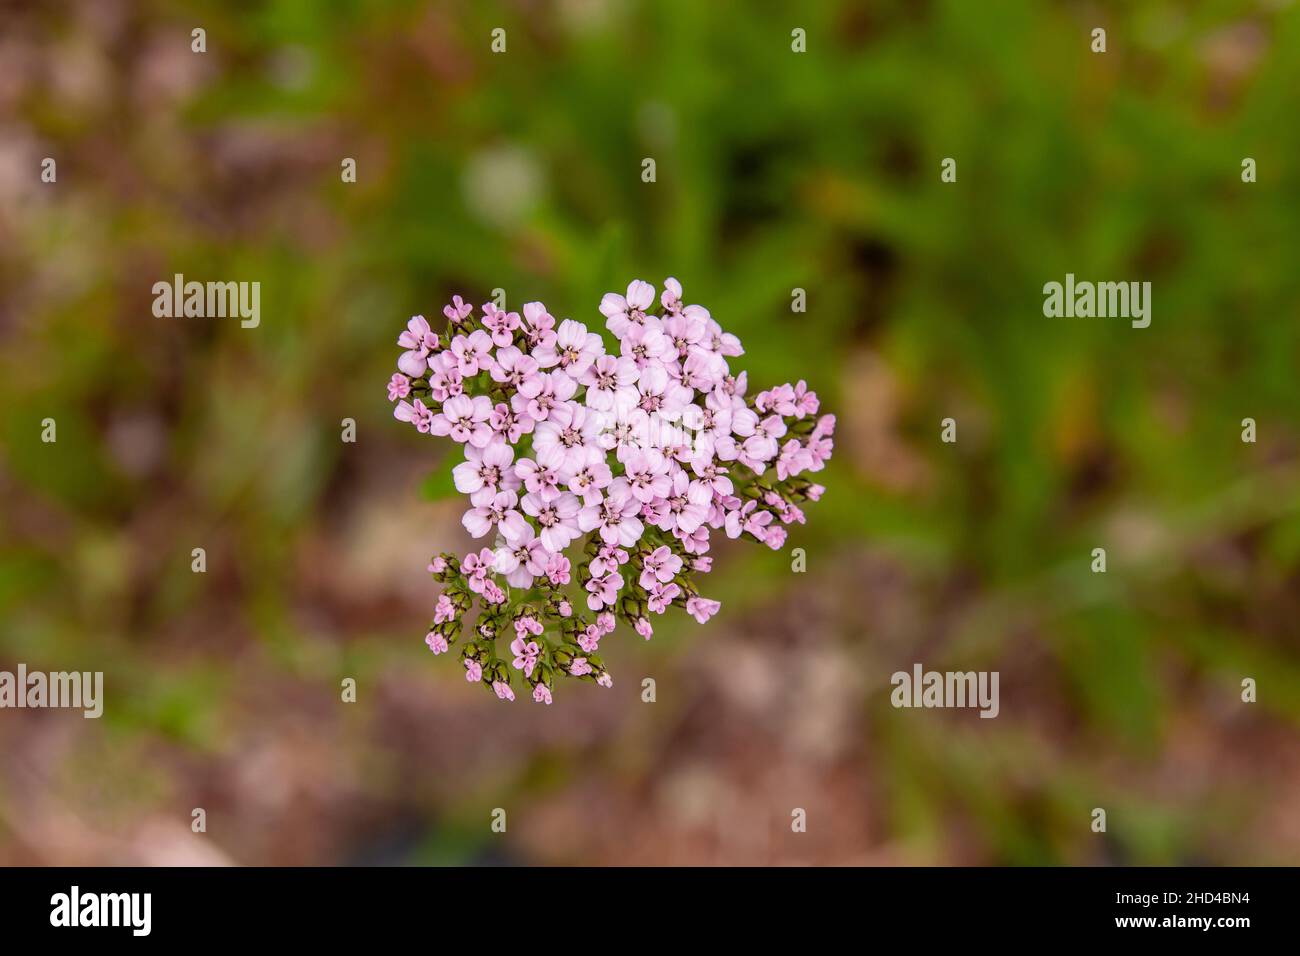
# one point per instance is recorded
(557, 572)
(419, 341)
(445, 611)
(574, 349)
(661, 595)
(464, 419)
(603, 590)
(500, 323)
(399, 386)
(437, 643)
(589, 639)
(416, 413)
(473, 352)
(623, 311)
(503, 690)
(660, 565)
(473, 671)
(458, 311)
(702, 608)
(557, 518)
(538, 326)
(486, 471)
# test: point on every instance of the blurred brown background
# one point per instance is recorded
(776, 171)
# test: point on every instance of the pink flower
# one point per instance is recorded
(662, 436)
(417, 414)
(529, 625)
(660, 565)
(615, 519)
(444, 380)
(538, 480)
(419, 341)
(608, 558)
(805, 400)
(622, 311)
(712, 474)
(603, 590)
(626, 430)
(522, 558)
(557, 519)
(609, 382)
(748, 518)
(499, 510)
(476, 567)
(761, 445)
(473, 353)
(793, 460)
(464, 419)
(557, 573)
(445, 611)
(399, 386)
(485, 472)
(645, 477)
(589, 640)
(684, 330)
(671, 299)
(702, 371)
(702, 608)
(458, 311)
(509, 424)
(500, 323)
(574, 350)
(779, 400)
(492, 592)
(588, 480)
(525, 655)
(687, 505)
(661, 595)
(645, 345)
(512, 367)
(661, 394)
(563, 441)
(723, 343)
(543, 393)
(538, 325)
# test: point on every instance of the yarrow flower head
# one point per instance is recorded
(600, 468)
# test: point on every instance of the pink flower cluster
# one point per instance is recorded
(598, 474)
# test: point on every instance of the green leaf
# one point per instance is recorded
(440, 485)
